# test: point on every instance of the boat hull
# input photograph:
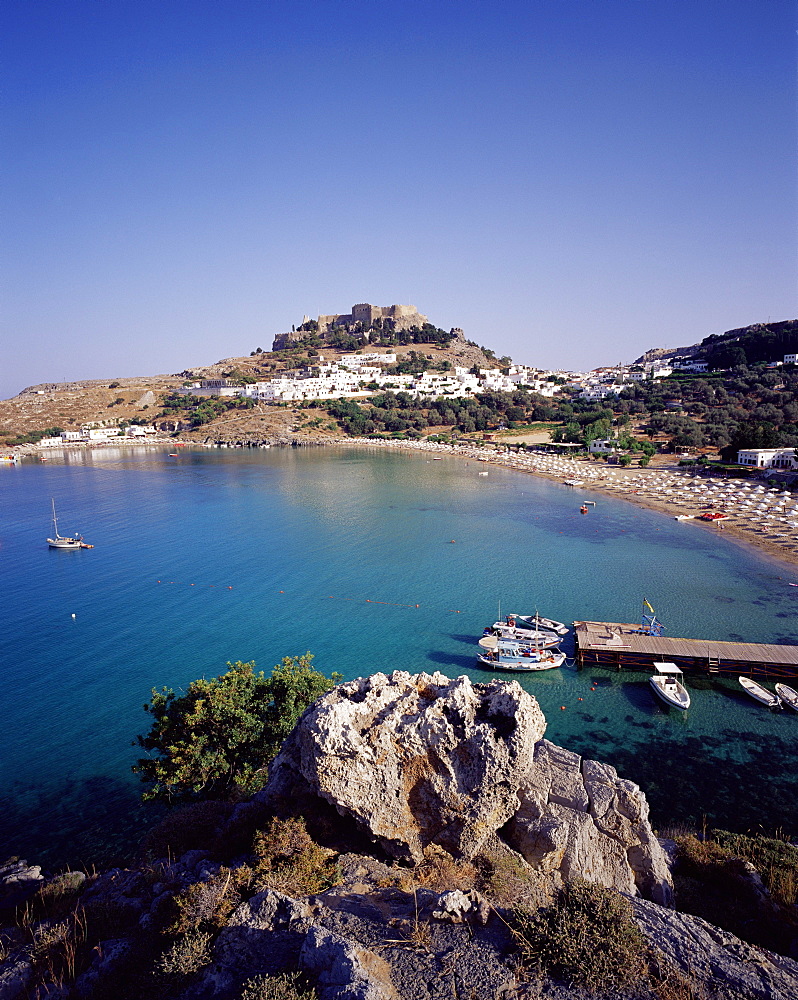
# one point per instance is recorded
(678, 698)
(759, 693)
(66, 543)
(788, 695)
(522, 664)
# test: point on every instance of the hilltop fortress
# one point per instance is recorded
(363, 315)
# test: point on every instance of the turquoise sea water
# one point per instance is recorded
(372, 560)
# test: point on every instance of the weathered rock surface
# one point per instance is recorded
(383, 944)
(726, 967)
(415, 760)
(421, 760)
(579, 818)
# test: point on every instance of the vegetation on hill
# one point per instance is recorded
(381, 333)
(750, 345)
(199, 410)
(714, 879)
(218, 738)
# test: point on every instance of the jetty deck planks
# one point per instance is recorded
(624, 646)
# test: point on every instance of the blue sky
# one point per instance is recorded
(570, 181)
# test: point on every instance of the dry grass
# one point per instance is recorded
(288, 986)
(187, 955)
(288, 860)
(588, 938)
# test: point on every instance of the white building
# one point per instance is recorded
(355, 360)
(594, 392)
(768, 458)
(791, 359)
(604, 445)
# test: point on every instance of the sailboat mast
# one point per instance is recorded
(55, 523)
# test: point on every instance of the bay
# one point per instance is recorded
(373, 560)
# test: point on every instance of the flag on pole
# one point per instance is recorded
(648, 606)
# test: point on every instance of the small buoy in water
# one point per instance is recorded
(581, 699)
(562, 708)
(74, 616)
(592, 689)
(452, 542)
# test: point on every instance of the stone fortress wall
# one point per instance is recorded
(398, 317)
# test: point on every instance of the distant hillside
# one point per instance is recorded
(748, 345)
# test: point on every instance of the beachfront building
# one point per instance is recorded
(791, 359)
(602, 446)
(768, 458)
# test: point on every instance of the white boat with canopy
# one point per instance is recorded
(667, 684)
(502, 654)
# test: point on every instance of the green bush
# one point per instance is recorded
(217, 739)
(588, 938)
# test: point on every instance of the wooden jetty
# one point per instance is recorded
(630, 647)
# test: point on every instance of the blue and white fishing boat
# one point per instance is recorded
(504, 654)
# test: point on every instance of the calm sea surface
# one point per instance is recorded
(374, 561)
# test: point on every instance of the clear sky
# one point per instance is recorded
(570, 181)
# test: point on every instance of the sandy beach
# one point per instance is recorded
(755, 514)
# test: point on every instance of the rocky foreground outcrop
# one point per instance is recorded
(426, 760)
(428, 771)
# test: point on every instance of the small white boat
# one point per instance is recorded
(667, 684)
(538, 621)
(513, 633)
(759, 693)
(502, 654)
(788, 695)
(574, 482)
(64, 541)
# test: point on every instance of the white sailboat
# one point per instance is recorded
(64, 541)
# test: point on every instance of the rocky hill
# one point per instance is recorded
(418, 839)
(743, 346)
(68, 405)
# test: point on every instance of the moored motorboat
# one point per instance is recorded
(788, 695)
(759, 693)
(667, 684)
(502, 654)
(508, 630)
(538, 621)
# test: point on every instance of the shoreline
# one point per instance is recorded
(635, 486)
(664, 489)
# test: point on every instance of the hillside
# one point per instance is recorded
(68, 405)
(747, 345)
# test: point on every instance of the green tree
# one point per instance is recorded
(217, 739)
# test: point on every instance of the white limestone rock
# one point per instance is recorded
(578, 817)
(415, 760)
